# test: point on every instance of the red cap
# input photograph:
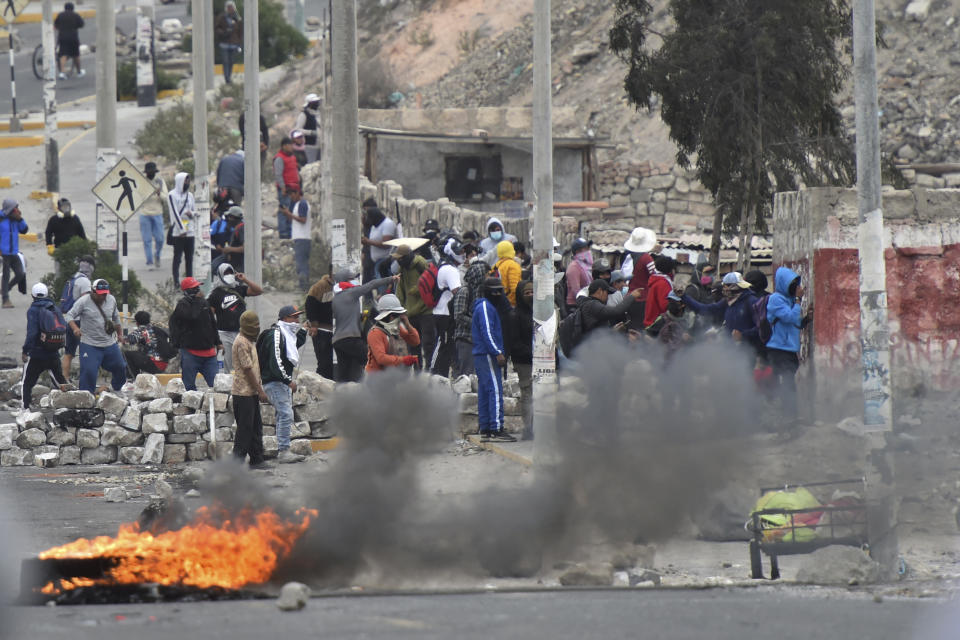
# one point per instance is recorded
(189, 283)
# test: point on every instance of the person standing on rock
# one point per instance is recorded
(495, 235)
(348, 342)
(319, 312)
(100, 337)
(193, 329)
(490, 358)
(230, 175)
(247, 392)
(286, 174)
(11, 226)
(75, 288)
(41, 348)
(390, 340)
(462, 304)
(278, 350)
(308, 121)
(228, 303)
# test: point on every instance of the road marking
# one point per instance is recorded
(70, 144)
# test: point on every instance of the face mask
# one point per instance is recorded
(230, 280)
(706, 281)
(391, 327)
(496, 236)
(625, 290)
(293, 326)
(585, 258)
(405, 261)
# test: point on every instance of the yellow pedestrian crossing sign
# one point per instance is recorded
(10, 9)
(124, 189)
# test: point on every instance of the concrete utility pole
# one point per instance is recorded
(107, 224)
(201, 171)
(146, 60)
(52, 157)
(345, 121)
(209, 43)
(874, 330)
(252, 254)
(544, 315)
(299, 20)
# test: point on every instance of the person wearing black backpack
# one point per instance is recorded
(46, 334)
(151, 350)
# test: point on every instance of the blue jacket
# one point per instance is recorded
(10, 231)
(784, 314)
(486, 329)
(31, 345)
(736, 317)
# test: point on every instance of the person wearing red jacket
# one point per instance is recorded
(659, 287)
(390, 339)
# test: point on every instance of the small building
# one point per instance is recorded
(480, 158)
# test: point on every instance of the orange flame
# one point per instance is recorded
(208, 552)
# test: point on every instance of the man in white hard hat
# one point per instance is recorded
(308, 121)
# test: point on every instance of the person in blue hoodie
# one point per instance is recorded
(786, 320)
(489, 358)
(38, 356)
(736, 310)
(11, 226)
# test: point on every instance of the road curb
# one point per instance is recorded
(36, 125)
(12, 142)
(500, 450)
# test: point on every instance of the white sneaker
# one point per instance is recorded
(62, 75)
(287, 457)
(81, 73)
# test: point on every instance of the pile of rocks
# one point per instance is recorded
(155, 424)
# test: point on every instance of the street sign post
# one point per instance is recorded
(9, 10)
(123, 190)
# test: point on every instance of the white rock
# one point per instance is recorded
(838, 565)
(115, 435)
(468, 403)
(192, 493)
(197, 451)
(114, 494)
(72, 400)
(301, 447)
(271, 446)
(219, 401)
(46, 460)
(160, 405)
(70, 454)
(153, 449)
(268, 415)
(59, 436)
(300, 429)
(16, 457)
(174, 453)
(88, 438)
(313, 412)
(34, 420)
(195, 423)
(31, 438)
(223, 382)
(147, 387)
(100, 455)
(155, 423)
(8, 435)
(163, 489)
(293, 596)
(312, 386)
(130, 455)
(175, 389)
(112, 403)
(131, 418)
(918, 10)
(462, 385)
(192, 399)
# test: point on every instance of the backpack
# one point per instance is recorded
(427, 285)
(164, 347)
(764, 328)
(570, 333)
(66, 297)
(53, 329)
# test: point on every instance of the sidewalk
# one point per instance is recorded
(33, 12)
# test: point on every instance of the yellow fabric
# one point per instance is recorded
(776, 527)
(510, 271)
(49, 249)
(505, 249)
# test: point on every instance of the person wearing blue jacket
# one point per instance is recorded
(40, 357)
(786, 320)
(11, 226)
(736, 309)
(489, 357)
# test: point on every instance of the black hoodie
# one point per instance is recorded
(521, 329)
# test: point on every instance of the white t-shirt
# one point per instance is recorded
(386, 228)
(448, 280)
(300, 230)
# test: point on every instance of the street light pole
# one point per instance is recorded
(345, 177)
(52, 157)
(201, 169)
(107, 223)
(874, 328)
(252, 256)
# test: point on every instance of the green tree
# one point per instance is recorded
(748, 90)
(67, 255)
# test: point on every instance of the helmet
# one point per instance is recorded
(431, 225)
(578, 244)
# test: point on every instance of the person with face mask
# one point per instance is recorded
(495, 235)
(63, 226)
(348, 341)
(75, 288)
(228, 301)
(490, 358)
(580, 269)
(659, 285)
(182, 214)
(380, 229)
(308, 121)
(670, 328)
(99, 338)
(462, 304)
(39, 354)
(390, 341)
(247, 392)
(228, 28)
(448, 281)
(736, 309)
(278, 350)
(151, 216)
(508, 270)
(521, 351)
(412, 266)
(193, 329)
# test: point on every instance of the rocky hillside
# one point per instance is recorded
(491, 65)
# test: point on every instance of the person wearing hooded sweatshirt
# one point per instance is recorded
(228, 303)
(193, 329)
(786, 320)
(11, 226)
(63, 226)
(308, 121)
(462, 302)
(659, 286)
(278, 350)
(39, 356)
(348, 342)
(182, 213)
(495, 235)
(448, 281)
(736, 309)
(319, 312)
(521, 351)
(248, 392)
(508, 270)
(489, 357)
(579, 271)
(391, 338)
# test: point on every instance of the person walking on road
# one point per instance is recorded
(228, 303)
(229, 31)
(193, 329)
(46, 334)
(248, 392)
(12, 225)
(278, 349)
(67, 25)
(100, 337)
(182, 214)
(151, 216)
(63, 226)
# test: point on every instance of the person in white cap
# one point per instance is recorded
(46, 335)
(390, 340)
(308, 121)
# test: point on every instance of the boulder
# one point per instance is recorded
(224, 434)
(47, 459)
(147, 387)
(271, 446)
(160, 405)
(70, 454)
(300, 430)
(88, 438)
(462, 385)
(301, 447)
(114, 494)
(131, 418)
(192, 399)
(175, 389)
(130, 455)
(174, 453)
(219, 401)
(468, 403)
(155, 423)
(8, 436)
(313, 412)
(269, 430)
(312, 386)
(34, 420)
(194, 423)
(181, 438)
(180, 410)
(31, 438)
(600, 575)
(59, 436)
(99, 455)
(16, 457)
(112, 403)
(73, 400)
(220, 450)
(320, 430)
(223, 382)
(224, 420)
(838, 565)
(511, 406)
(293, 596)
(117, 436)
(268, 415)
(153, 449)
(197, 451)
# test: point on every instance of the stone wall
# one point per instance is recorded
(815, 233)
(661, 197)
